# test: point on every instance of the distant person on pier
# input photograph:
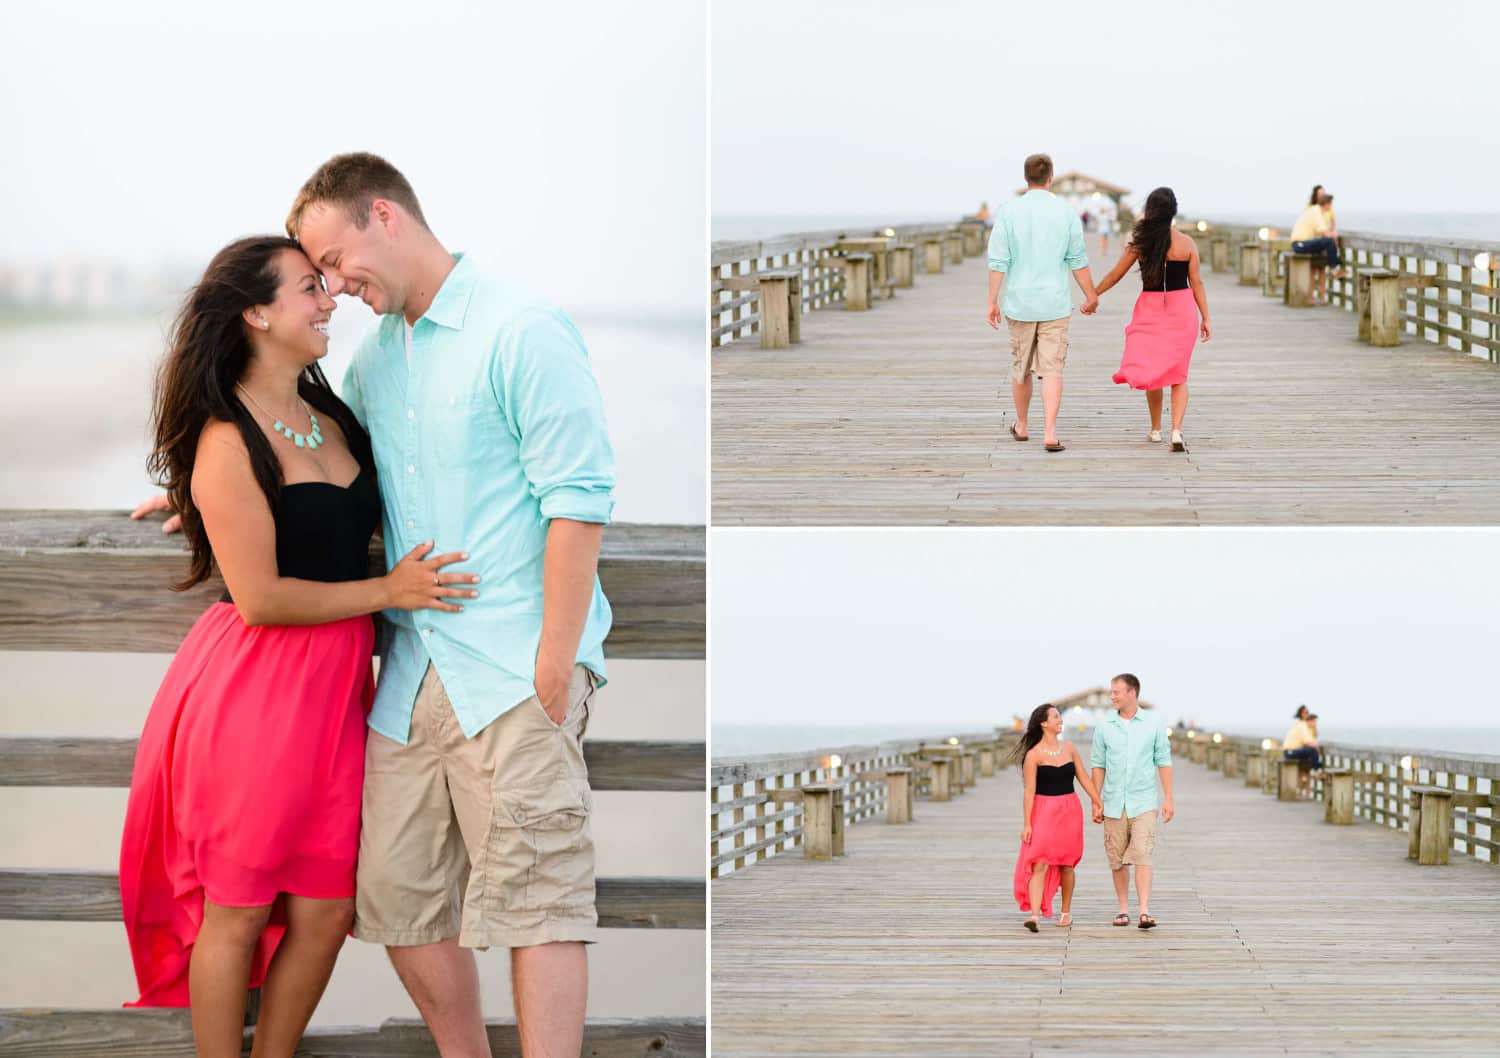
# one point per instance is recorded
(984, 213)
(1052, 834)
(1331, 224)
(1171, 312)
(1131, 752)
(1104, 225)
(1037, 240)
(1301, 744)
(1311, 234)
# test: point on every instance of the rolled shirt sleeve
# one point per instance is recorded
(1076, 257)
(999, 249)
(1161, 753)
(549, 396)
(1097, 754)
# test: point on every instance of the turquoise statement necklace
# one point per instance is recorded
(308, 440)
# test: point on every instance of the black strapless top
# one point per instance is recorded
(1177, 276)
(323, 531)
(1054, 780)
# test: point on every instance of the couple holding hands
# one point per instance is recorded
(1130, 751)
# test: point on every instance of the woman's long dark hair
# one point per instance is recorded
(1152, 236)
(1313, 198)
(209, 348)
(1033, 733)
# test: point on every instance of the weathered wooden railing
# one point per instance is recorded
(735, 313)
(1449, 295)
(748, 823)
(96, 581)
(1383, 780)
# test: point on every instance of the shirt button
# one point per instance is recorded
(452, 401)
(411, 413)
(411, 525)
(427, 631)
(411, 470)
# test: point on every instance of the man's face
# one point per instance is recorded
(1120, 695)
(360, 262)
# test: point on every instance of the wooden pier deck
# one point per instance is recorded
(1280, 934)
(897, 416)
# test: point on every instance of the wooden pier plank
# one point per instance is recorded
(1279, 935)
(897, 416)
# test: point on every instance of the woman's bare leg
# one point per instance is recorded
(1153, 405)
(1034, 887)
(219, 976)
(1179, 405)
(1067, 889)
(299, 972)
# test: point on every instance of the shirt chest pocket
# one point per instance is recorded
(465, 426)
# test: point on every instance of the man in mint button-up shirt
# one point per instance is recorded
(489, 438)
(1036, 242)
(1131, 752)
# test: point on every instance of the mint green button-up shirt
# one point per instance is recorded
(1130, 753)
(1037, 241)
(491, 429)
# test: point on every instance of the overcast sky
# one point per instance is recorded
(847, 107)
(563, 141)
(1232, 628)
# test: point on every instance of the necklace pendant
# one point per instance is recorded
(278, 426)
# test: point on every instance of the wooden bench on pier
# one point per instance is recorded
(1432, 820)
(97, 581)
(879, 248)
(858, 279)
(780, 294)
(1301, 270)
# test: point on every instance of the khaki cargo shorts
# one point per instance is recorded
(486, 839)
(1037, 347)
(1130, 841)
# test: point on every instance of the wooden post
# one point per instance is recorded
(1437, 827)
(818, 821)
(1338, 796)
(967, 759)
(942, 785)
(1249, 264)
(898, 796)
(775, 312)
(987, 760)
(1215, 756)
(1385, 309)
(1272, 279)
(973, 232)
(1299, 281)
(1287, 779)
(933, 245)
(1255, 769)
(1219, 254)
(1414, 821)
(856, 282)
(1270, 773)
(1199, 751)
(1231, 764)
(955, 248)
(901, 266)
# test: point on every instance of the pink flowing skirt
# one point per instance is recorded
(1159, 340)
(247, 784)
(1056, 840)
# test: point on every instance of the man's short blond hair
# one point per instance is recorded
(351, 182)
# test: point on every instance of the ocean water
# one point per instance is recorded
(1479, 227)
(731, 741)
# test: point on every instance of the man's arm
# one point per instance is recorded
(1166, 785)
(569, 567)
(1161, 752)
(999, 259)
(997, 282)
(1078, 263)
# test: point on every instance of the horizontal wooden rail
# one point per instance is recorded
(613, 765)
(32, 895)
(67, 578)
(166, 1033)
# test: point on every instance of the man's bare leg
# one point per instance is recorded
(1143, 888)
(550, 983)
(443, 981)
(1021, 393)
(1052, 388)
(1121, 879)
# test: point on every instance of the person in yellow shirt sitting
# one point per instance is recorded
(1311, 234)
(1301, 743)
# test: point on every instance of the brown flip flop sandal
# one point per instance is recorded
(1147, 922)
(1030, 924)
(1122, 919)
(1059, 447)
(1017, 436)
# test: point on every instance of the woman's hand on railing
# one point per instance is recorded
(159, 502)
(416, 583)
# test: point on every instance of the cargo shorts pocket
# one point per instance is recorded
(541, 853)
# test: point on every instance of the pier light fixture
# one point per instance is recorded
(1218, 737)
(889, 233)
(834, 760)
(953, 742)
(1192, 734)
(1264, 234)
(1266, 743)
(1409, 763)
(1203, 225)
(1482, 261)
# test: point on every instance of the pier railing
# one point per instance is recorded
(735, 313)
(96, 581)
(1383, 779)
(749, 824)
(1449, 295)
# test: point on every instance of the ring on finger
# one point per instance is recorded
(436, 580)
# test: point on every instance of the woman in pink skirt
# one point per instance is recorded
(1167, 319)
(1052, 838)
(237, 859)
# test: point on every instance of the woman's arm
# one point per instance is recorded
(1029, 798)
(1195, 280)
(240, 527)
(1117, 273)
(1083, 778)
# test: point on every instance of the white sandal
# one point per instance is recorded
(1178, 444)
(1154, 437)
(1065, 915)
